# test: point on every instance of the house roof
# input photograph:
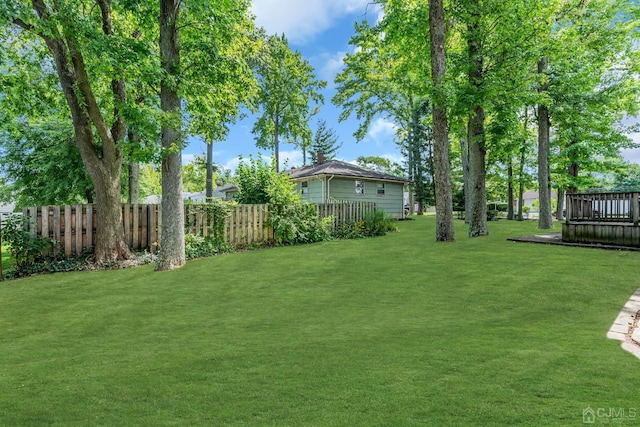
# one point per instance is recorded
(343, 169)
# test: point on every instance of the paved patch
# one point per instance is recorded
(625, 327)
(556, 239)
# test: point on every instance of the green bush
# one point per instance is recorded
(373, 224)
(298, 223)
(25, 248)
(200, 246)
(378, 223)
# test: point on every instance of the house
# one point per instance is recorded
(223, 192)
(336, 180)
(530, 199)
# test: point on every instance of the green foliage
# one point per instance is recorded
(373, 224)
(298, 223)
(380, 164)
(200, 246)
(42, 164)
(26, 249)
(325, 141)
(254, 178)
(216, 214)
(287, 88)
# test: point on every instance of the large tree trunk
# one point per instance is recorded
(477, 176)
(442, 174)
(103, 161)
(477, 152)
(172, 240)
(545, 220)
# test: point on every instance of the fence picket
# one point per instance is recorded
(73, 226)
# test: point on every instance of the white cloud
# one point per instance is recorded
(188, 158)
(382, 131)
(394, 158)
(232, 164)
(331, 65)
(302, 20)
(290, 159)
(632, 155)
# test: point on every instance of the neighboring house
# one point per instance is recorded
(336, 180)
(530, 196)
(7, 208)
(223, 192)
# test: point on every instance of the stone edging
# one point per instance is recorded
(625, 327)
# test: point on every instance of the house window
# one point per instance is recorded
(305, 187)
(359, 187)
(380, 188)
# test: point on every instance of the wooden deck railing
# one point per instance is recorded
(603, 207)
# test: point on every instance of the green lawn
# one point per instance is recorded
(6, 258)
(391, 331)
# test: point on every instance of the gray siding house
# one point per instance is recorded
(341, 181)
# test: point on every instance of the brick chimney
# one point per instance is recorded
(320, 156)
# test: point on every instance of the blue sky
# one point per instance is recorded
(320, 30)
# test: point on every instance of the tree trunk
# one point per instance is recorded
(464, 149)
(545, 220)
(172, 241)
(477, 152)
(477, 175)
(134, 182)
(523, 152)
(134, 172)
(560, 205)
(209, 184)
(276, 144)
(442, 174)
(510, 189)
(574, 171)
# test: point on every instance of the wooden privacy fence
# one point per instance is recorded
(345, 211)
(73, 227)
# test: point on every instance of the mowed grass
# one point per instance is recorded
(392, 331)
(6, 258)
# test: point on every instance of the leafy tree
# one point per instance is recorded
(287, 87)
(325, 141)
(69, 39)
(43, 165)
(253, 179)
(380, 164)
(150, 181)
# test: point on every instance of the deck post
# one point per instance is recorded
(569, 203)
(634, 204)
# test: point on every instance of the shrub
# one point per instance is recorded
(298, 223)
(373, 224)
(25, 248)
(378, 223)
(196, 246)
